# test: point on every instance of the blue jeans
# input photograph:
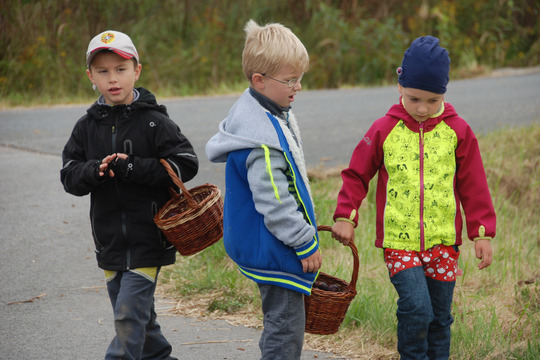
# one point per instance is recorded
(424, 315)
(138, 335)
(284, 323)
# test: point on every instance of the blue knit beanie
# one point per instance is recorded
(425, 66)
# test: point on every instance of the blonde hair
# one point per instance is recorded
(270, 47)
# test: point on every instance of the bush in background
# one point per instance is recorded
(194, 47)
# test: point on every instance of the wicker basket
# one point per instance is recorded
(191, 220)
(325, 310)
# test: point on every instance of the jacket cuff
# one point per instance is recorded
(346, 220)
(94, 169)
(483, 238)
(352, 217)
(482, 234)
(308, 249)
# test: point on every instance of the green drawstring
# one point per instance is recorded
(269, 171)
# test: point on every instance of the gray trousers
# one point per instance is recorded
(284, 323)
(138, 335)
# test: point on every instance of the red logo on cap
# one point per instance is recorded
(107, 38)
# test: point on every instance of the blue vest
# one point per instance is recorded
(259, 255)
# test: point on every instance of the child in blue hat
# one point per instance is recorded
(429, 166)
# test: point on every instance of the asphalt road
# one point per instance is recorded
(53, 304)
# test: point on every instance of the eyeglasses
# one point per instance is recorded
(291, 83)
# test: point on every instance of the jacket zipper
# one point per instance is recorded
(421, 145)
(122, 211)
(113, 137)
(124, 234)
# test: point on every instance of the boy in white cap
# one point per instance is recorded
(113, 154)
(429, 166)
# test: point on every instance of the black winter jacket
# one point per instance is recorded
(122, 208)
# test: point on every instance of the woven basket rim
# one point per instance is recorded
(199, 224)
(191, 212)
(325, 310)
(356, 262)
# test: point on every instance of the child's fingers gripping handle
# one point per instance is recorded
(343, 232)
(356, 264)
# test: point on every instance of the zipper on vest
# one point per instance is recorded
(113, 137)
(421, 147)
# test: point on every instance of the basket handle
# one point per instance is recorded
(192, 203)
(354, 250)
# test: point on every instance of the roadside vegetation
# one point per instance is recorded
(496, 310)
(194, 47)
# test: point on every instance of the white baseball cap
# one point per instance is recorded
(111, 40)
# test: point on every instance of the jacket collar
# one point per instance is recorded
(398, 111)
(269, 105)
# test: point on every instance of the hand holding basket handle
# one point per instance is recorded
(325, 310)
(193, 219)
(356, 261)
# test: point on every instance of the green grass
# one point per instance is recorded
(496, 310)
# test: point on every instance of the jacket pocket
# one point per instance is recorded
(98, 245)
(162, 238)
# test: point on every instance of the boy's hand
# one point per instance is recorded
(343, 232)
(103, 168)
(483, 252)
(116, 166)
(108, 164)
(312, 263)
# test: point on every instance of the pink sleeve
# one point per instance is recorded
(366, 160)
(471, 183)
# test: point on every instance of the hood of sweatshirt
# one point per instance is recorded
(398, 111)
(247, 126)
(144, 99)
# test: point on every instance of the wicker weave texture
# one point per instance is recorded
(325, 310)
(193, 219)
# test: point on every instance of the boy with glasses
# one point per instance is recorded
(269, 221)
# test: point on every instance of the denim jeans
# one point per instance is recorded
(138, 335)
(424, 315)
(284, 323)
